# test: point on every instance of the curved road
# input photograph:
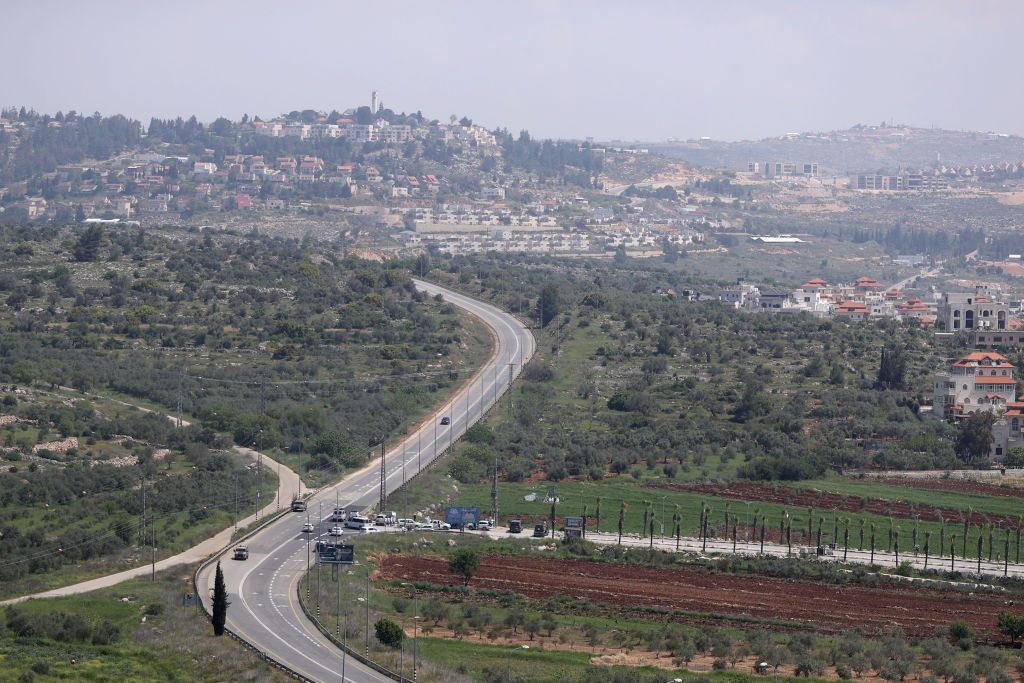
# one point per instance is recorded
(262, 591)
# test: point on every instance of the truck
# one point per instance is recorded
(515, 526)
(298, 505)
(241, 552)
(540, 530)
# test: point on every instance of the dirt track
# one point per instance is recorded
(625, 588)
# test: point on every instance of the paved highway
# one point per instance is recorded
(263, 590)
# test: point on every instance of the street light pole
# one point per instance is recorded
(663, 518)
(415, 616)
(765, 665)
(367, 647)
(344, 642)
(512, 652)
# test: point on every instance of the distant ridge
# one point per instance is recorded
(858, 149)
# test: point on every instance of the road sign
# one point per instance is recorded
(460, 516)
(335, 553)
(573, 527)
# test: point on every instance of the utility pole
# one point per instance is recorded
(181, 369)
(511, 365)
(383, 491)
(259, 453)
(494, 491)
(154, 550)
(142, 523)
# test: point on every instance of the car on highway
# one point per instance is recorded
(369, 529)
(446, 420)
(308, 527)
(336, 531)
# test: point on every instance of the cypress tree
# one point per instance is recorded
(220, 603)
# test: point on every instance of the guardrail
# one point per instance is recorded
(202, 604)
(325, 630)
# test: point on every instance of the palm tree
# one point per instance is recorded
(967, 528)
(846, 537)
(927, 543)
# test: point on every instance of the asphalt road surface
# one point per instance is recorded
(263, 589)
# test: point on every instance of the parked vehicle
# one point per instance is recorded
(540, 530)
(484, 525)
(422, 526)
(336, 531)
(369, 529)
(356, 521)
(339, 514)
(385, 519)
(241, 553)
(308, 527)
(440, 525)
(406, 523)
(515, 526)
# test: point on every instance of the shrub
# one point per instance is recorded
(959, 629)
(388, 632)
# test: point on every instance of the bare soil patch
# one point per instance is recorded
(711, 598)
(823, 500)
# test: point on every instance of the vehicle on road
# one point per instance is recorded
(336, 531)
(308, 527)
(422, 526)
(440, 525)
(385, 519)
(540, 530)
(241, 553)
(298, 505)
(406, 523)
(446, 420)
(515, 526)
(356, 521)
(483, 525)
(369, 529)
(339, 514)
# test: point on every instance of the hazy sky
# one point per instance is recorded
(629, 70)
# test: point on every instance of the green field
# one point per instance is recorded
(157, 638)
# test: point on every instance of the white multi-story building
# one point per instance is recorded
(981, 380)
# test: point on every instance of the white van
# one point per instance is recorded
(357, 522)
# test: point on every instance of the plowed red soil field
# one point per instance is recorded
(825, 501)
(959, 485)
(625, 589)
